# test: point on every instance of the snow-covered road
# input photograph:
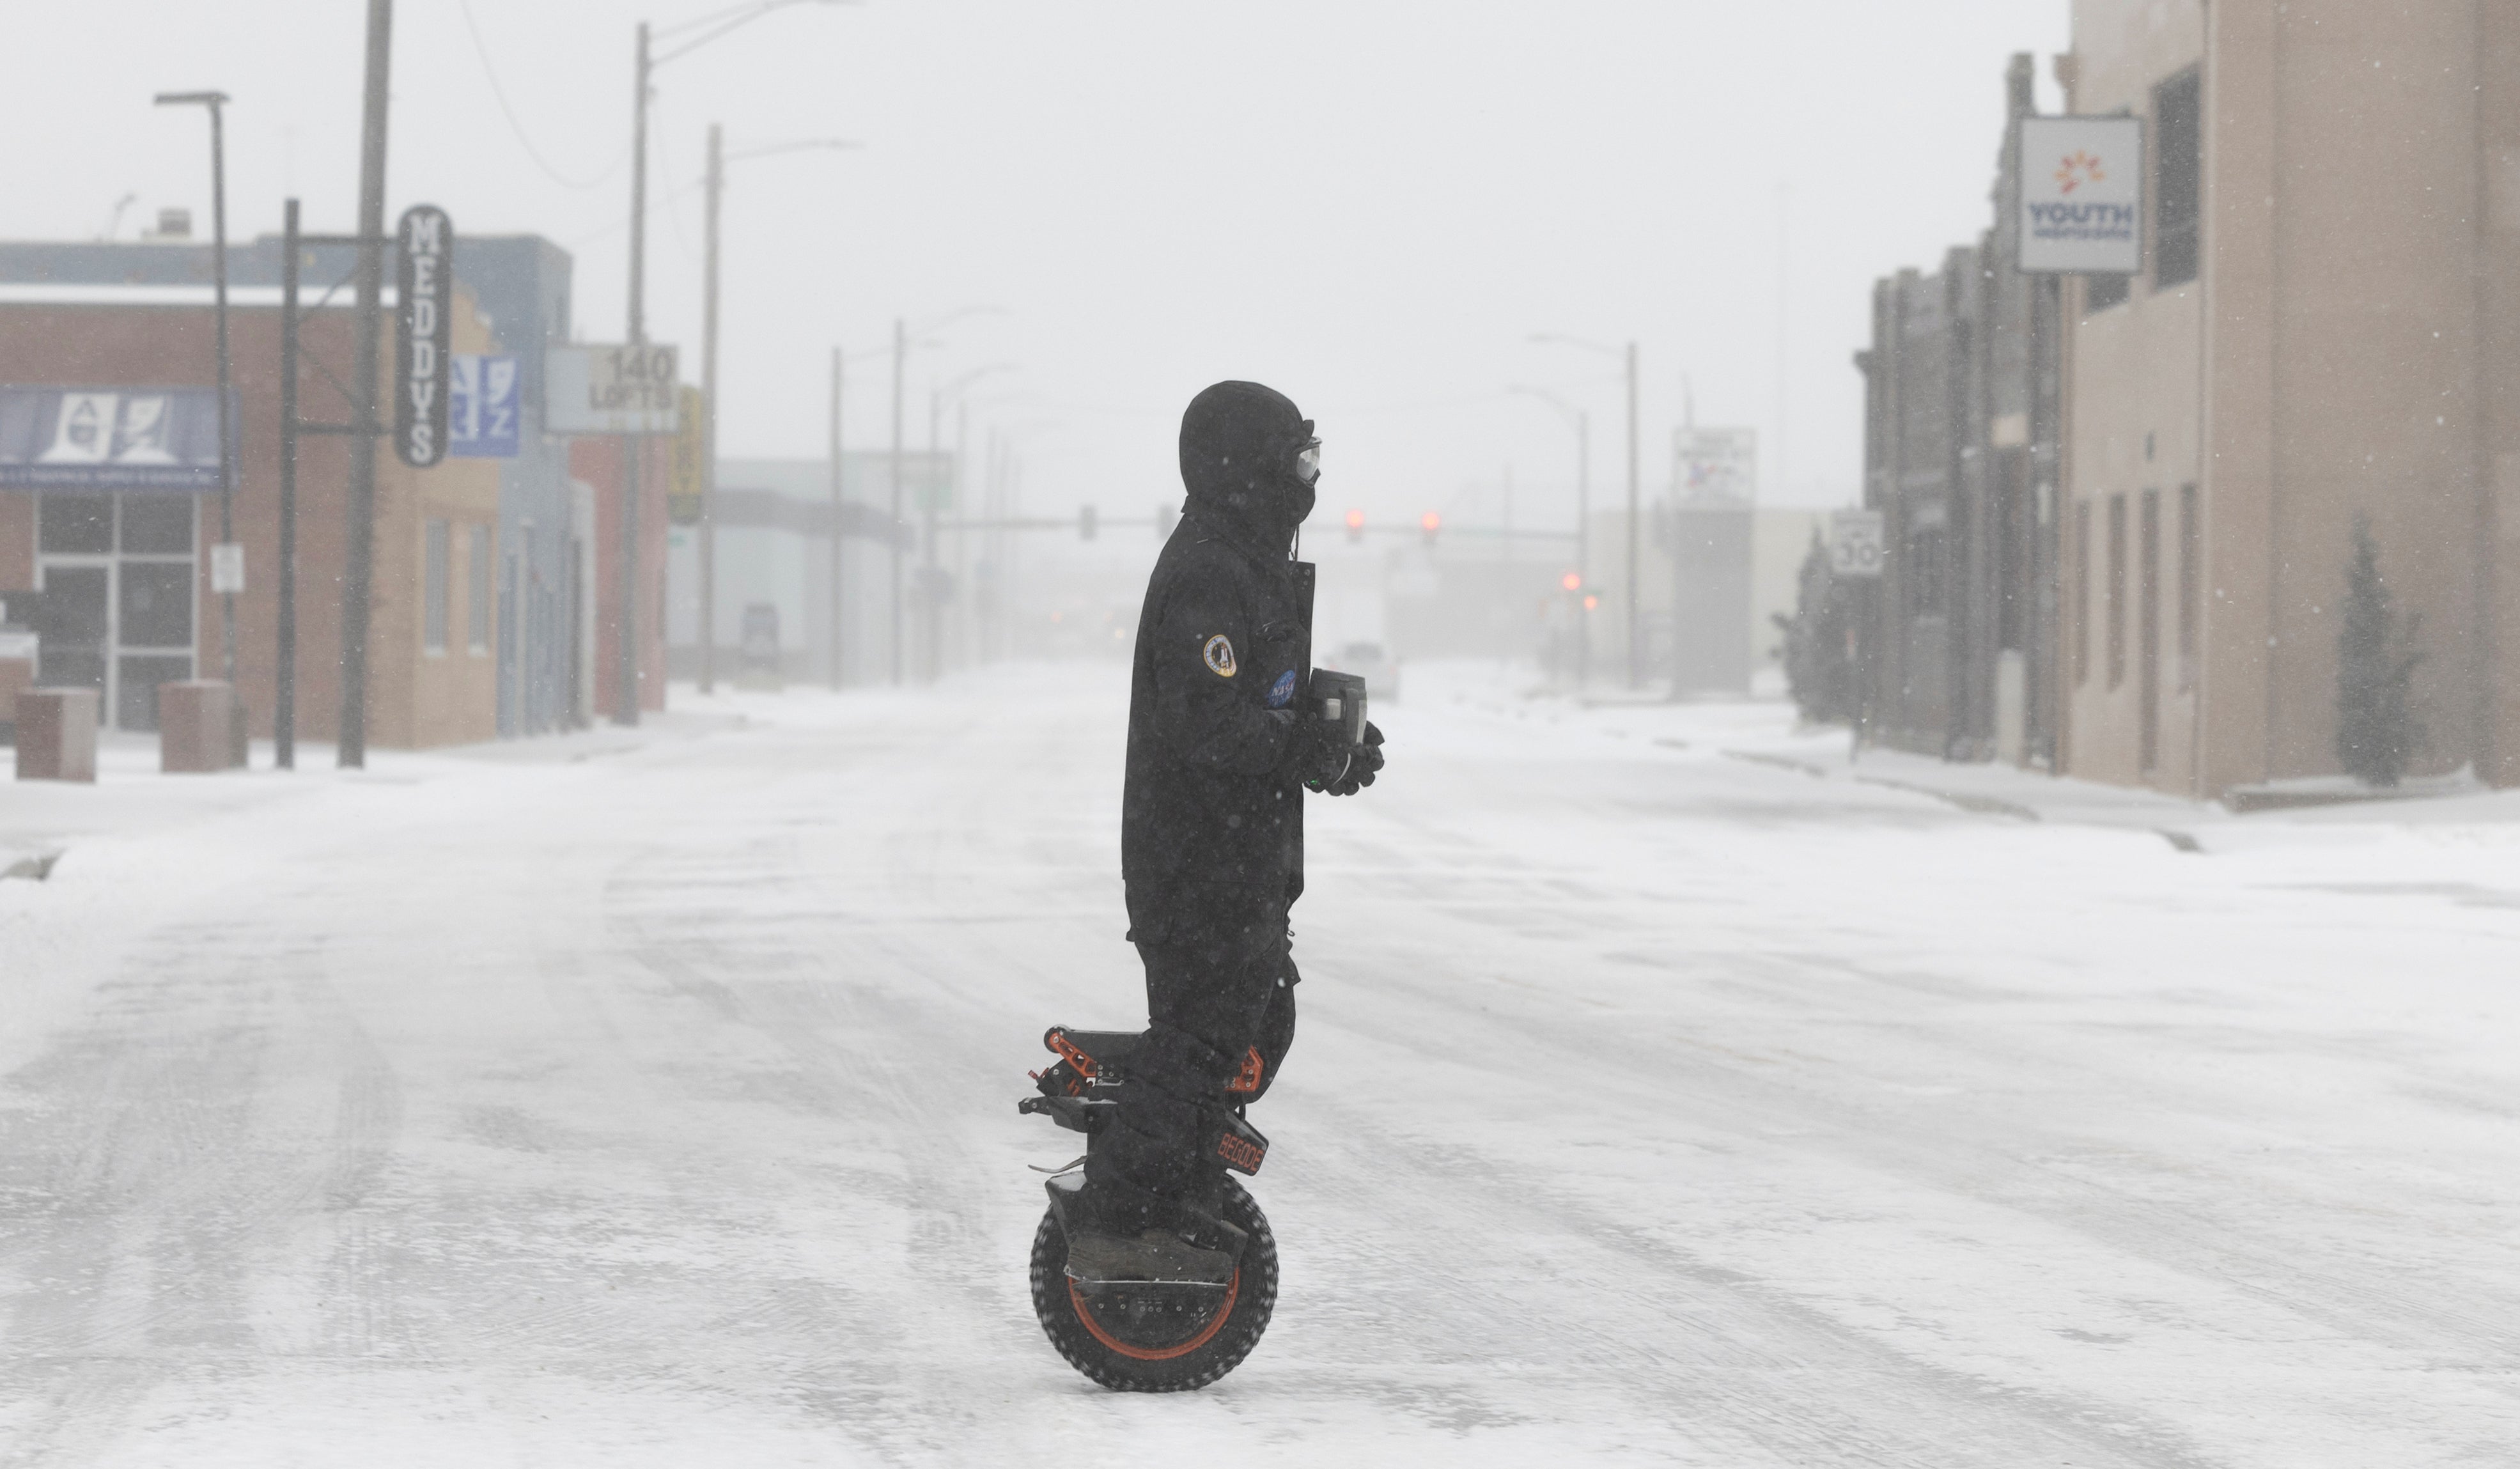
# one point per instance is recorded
(656, 1107)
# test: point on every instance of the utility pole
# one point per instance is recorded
(893, 527)
(284, 699)
(626, 696)
(1635, 663)
(840, 522)
(963, 588)
(358, 580)
(708, 419)
(840, 525)
(930, 607)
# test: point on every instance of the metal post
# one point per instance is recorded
(284, 700)
(357, 585)
(1636, 662)
(708, 419)
(892, 527)
(625, 701)
(217, 103)
(840, 522)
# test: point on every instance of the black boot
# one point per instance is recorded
(1116, 1235)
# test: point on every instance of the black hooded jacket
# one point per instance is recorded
(1224, 652)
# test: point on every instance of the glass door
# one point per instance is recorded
(119, 590)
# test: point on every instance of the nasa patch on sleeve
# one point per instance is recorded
(1281, 691)
(1219, 654)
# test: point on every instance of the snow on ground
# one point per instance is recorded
(647, 1098)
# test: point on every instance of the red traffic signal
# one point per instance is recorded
(1356, 525)
(1571, 581)
(1431, 523)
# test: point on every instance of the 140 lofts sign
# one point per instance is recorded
(2082, 195)
(423, 323)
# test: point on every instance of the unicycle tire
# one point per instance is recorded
(1158, 1339)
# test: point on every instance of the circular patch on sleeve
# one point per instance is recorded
(1219, 654)
(1282, 693)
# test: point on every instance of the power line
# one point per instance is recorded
(481, 50)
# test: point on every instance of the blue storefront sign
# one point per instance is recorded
(110, 438)
(482, 405)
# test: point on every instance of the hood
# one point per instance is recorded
(1239, 442)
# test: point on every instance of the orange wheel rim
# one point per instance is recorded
(1233, 1288)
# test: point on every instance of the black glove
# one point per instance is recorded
(1364, 761)
(1315, 754)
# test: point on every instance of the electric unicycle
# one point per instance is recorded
(1147, 1336)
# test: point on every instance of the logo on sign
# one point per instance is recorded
(423, 320)
(481, 405)
(108, 440)
(2082, 195)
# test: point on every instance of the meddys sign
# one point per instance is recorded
(423, 333)
(2082, 195)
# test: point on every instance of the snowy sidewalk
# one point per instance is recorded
(1763, 732)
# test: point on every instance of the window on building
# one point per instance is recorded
(2192, 584)
(2082, 574)
(433, 569)
(477, 592)
(1924, 572)
(2177, 178)
(2100, 292)
(75, 525)
(2116, 596)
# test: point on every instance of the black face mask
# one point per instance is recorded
(1242, 450)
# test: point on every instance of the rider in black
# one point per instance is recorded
(1221, 749)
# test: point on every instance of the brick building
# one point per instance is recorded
(2328, 325)
(530, 543)
(2325, 330)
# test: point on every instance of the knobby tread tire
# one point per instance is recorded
(1255, 1299)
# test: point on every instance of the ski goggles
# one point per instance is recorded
(1308, 462)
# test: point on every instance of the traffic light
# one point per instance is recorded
(1085, 522)
(1431, 523)
(1571, 581)
(1355, 526)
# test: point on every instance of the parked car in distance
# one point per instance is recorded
(1380, 672)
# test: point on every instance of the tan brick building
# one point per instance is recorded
(432, 678)
(2329, 324)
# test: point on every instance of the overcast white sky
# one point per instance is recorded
(1371, 204)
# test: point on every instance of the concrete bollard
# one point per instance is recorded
(57, 734)
(196, 721)
(15, 676)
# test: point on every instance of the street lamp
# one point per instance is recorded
(718, 159)
(1636, 666)
(709, 27)
(931, 612)
(901, 335)
(686, 38)
(1582, 423)
(215, 103)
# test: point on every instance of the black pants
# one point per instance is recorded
(1220, 984)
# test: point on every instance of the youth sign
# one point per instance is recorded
(2082, 195)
